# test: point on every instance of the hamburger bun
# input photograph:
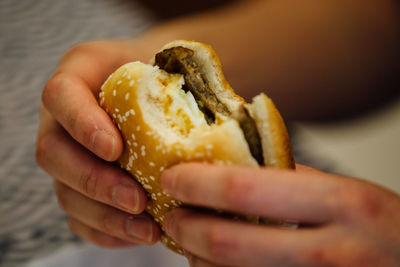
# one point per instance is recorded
(180, 108)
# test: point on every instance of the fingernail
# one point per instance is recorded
(168, 181)
(127, 197)
(103, 144)
(140, 227)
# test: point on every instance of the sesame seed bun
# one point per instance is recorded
(161, 125)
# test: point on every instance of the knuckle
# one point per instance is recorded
(368, 203)
(361, 201)
(220, 245)
(62, 197)
(53, 87)
(315, 256)
(106, 222)
(78, 50)
(42, 146)
(88, 182)
(53, 91)
(235, 190)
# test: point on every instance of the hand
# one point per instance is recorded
(343, 221)
(76, 142)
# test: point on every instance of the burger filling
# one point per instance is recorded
(180, 60)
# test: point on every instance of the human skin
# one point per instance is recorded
(343, 221)
(77, 141)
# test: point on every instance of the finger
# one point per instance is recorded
(71, 102)
(71, 95)
(94, 61)
(95, 236)
(137, 229)
(238, 244)
(304, 168)
(195, 261)
(68, 162)
(280, 194)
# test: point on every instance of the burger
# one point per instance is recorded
(180, 108)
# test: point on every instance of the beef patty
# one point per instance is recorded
(180, 60)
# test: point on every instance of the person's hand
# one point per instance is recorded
(343, 221)
(77, 142)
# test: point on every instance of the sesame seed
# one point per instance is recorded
(179, 153)
(131, 83)
(162, 168)
(135, 155)
(198, 154)
(126, 96)
(114, 92)
(152, 178)
(139, 172)
(135, 144)
(149, 133)
(133, 136)
(132, 112)
(147, 186)
(143, 153)
(166, 205)
(152, 164)
(138, 128)
(124, 74)
(209, 146)
(114, 116)
(153, 196)
(142, 147)
(129, 77)
(129, 143)
(119, 82)
(159, 194)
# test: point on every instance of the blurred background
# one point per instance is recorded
(33, 36)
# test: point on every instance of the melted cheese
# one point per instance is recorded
(180, 107)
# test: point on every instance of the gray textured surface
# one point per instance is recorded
(33, 36)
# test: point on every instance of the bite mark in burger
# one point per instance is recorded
(180, 60)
